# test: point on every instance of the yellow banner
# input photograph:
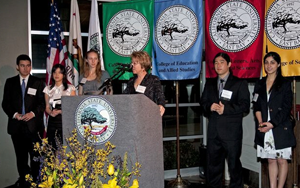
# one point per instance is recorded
(282, 34)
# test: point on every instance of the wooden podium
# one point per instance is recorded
(138, 131)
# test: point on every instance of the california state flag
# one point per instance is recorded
(75, 44)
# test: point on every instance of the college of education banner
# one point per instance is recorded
(127, 28)
(236, 28)
(282, 34)
(178, 39)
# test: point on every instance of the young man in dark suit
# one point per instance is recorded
(224, 101)
(24, 104)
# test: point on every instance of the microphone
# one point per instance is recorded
(124, 65)
(107, 82)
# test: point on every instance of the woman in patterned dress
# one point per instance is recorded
(272, 102)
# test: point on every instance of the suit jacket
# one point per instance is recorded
(153, 88)
(279, 105)
(12, 103)
(227, 126)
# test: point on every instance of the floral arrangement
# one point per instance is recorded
(81, 165)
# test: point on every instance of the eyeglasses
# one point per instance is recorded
(134, 63)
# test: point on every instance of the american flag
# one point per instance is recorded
(57, 50)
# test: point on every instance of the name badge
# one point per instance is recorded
(83, 80)
(255, 97)
(226, 94)
(31, 91)
(140, 89)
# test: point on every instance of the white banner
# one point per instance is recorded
(94, 40)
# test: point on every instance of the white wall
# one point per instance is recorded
(14, 41)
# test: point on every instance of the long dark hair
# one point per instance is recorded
(64, 73)
(278, 80)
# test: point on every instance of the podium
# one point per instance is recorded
(138, 132)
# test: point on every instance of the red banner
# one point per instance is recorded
(236, 28)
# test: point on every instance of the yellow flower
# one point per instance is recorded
(28, 178)
(111, 184)
(111, 169)
(135, 184)
(106, 186)
(48, 183)
(70, 186)
(81, 180)
(70, 182)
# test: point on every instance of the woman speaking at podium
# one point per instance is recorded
(143, 82)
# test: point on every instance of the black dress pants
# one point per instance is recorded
(217, 151)
(23, 145)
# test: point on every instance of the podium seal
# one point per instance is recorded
(97, 114)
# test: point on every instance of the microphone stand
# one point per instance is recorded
(117, 75)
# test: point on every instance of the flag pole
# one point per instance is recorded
(295, 153)
(178, 182)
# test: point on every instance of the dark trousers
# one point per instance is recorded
(217, 151)
(54, 131)
(23, 145)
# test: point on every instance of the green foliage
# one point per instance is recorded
(90, 115)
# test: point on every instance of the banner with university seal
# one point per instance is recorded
(127, 28)
(282, 33)
(178, 39)
(236, 28)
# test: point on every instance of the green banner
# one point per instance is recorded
(127, 28)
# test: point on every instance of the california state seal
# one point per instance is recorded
(127, 31)
(234, 25)
(97, 114)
